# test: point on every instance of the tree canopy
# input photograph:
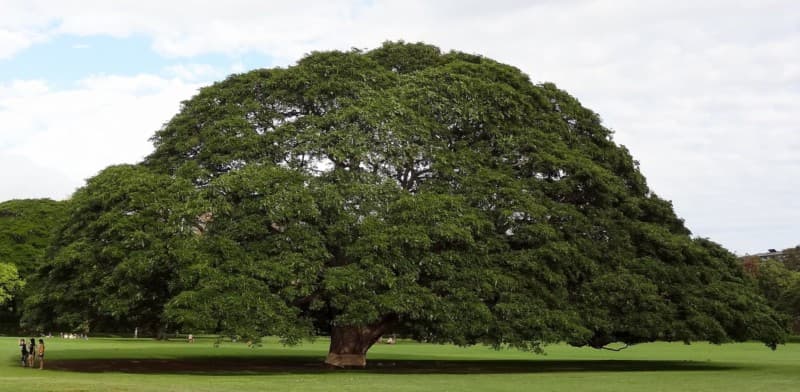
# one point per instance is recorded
(442, 196)
(791, 257)
(10, 282)
(779, 281)
(114, 264)
(26, 229)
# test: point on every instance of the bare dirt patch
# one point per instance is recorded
(192, 365)
(223, 366)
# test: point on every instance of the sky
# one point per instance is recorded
(705, 94)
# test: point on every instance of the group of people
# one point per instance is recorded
(31, 352)
(74, 336)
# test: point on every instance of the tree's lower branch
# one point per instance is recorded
(307, 299)
(615, 349)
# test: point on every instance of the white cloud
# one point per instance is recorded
(77, 132)
(12, 42)
(25, 179)
(704, 93)
(187, 28)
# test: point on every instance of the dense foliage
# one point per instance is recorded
(10, 282)
(114, 264)
(441, 196)
(779, 281)
(26, 228)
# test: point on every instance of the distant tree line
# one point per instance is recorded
(779, 281)
(26, 230)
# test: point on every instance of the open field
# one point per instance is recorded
(111, 365)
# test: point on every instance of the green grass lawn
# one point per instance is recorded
(144, 365)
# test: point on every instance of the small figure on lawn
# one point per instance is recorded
(32, 353)
(41, 354)
(24, 351)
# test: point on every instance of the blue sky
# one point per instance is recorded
(64, 60)
(704, 94)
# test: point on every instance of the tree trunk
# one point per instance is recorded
(158, 330)
(349, 344)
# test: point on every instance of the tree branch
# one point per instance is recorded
(307, 299)
(276, 227)
(614, 349)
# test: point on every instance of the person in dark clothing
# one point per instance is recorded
(32, 352)
(24, 351)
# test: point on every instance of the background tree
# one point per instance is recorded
(780, 285)
(443, 196)
(791, 258)
(114, 263)
(26, 229)
(10, 282)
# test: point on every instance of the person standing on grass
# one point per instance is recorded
(32, 353)
(24, 351)
(41, 354)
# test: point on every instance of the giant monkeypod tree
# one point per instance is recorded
(441, 196)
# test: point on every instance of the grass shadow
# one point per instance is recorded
(313, 365)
